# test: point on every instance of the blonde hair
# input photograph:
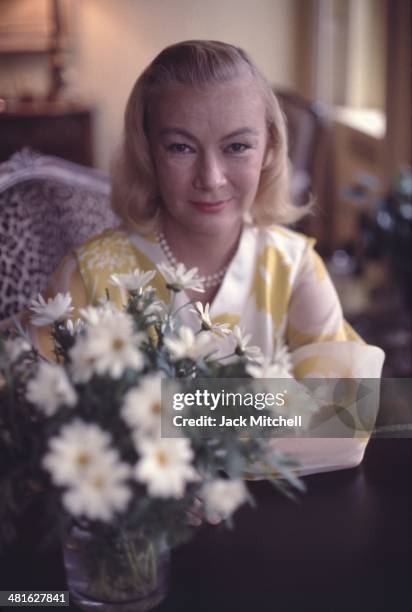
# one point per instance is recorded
(197, 63)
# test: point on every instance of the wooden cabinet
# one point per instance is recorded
(59, 128)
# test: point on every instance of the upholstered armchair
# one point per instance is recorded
(307, 130)
(311, 159)
(47, 206)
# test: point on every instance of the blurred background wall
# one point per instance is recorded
(112, 41)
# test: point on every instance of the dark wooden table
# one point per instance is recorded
(60, 128)
(345, 547)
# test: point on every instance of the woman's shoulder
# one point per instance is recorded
(109, 238)
(115, 238)
(109, 251)
(281, 235)
(114, 251)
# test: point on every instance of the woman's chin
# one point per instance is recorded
(218, 226)
(212, 225)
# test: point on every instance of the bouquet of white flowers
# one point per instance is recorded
(86, 431)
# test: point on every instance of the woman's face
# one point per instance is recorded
(208, 149)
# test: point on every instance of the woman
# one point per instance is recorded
(203, 179)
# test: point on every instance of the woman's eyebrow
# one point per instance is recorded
(182, 132)
(242, 132)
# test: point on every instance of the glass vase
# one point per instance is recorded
(127, 572)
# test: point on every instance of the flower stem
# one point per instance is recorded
(184, 306)
(227, 356)
(172, 303)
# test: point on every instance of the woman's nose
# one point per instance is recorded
(209, 172)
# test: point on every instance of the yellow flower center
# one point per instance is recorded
(118, 344)
(83, 459)
(98, 482)
(162, 458)
(155, 407)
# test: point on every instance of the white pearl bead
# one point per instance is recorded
(209, 281)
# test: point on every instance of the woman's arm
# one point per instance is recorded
(314, 313)
(323, 345)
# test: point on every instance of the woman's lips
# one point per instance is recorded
(210, 207)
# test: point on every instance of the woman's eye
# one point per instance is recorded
(238, 147)
(177, 147)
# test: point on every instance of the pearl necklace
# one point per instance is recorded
(209, 281)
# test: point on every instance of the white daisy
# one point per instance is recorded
(154, 310)
(91, 314)
(141, 408)
(77, 449)
(56, 309)
(282, 355)
(206, 322)
(82, 362)
(110, 348)
(74, 328)
(269, 369)
(148, 306)
(16, 347)
(223, 497)
(132, 282)
(97, 315)
(50, 388)
(179, 278)
(103, 492)
(242, 348)
(188, 345)
(106, 305)
(165, 466)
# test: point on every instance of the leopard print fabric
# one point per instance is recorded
(41, 220)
